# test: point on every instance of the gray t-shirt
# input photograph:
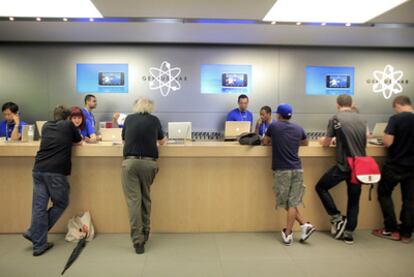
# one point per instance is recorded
(354, 131)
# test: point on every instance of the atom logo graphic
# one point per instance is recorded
(387, 81)
(165, 78)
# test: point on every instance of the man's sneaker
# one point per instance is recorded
(139, 248)
(338, 228)
(26, 236)
(287, 239)
(348, 239)
(307, 230)
(382, 233)
(49, 245)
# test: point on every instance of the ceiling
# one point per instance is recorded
(387, 35)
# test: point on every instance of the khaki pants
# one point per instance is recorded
(137, 177)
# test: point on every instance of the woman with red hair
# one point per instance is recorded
(78, 119)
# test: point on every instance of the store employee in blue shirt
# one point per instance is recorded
(90, 123)
(241, 113)
(264, 121)
(11, 126)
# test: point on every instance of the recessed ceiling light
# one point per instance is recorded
(348, 24)
(11, 18)
(323, 24)
(49, 8)
(38, 19)
(329, 11)
(273, 22)
(91, 19)
(65, 19)
(298, 23)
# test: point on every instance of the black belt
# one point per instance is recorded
(139, 158)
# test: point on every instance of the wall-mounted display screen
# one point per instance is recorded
(223, 78)
(102, 78)
(329, 80)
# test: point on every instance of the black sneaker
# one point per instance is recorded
(139, 248)
(339, 228)
(348, 239)
(39, 253)
(26, 236)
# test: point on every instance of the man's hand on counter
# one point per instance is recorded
(325, 141)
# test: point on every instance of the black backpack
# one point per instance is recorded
(249, 139)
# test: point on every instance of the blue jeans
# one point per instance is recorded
(47, 186)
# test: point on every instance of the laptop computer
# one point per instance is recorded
(111, 134)
(179, 131)
(39, 126)
(233, 129)
(378, 133)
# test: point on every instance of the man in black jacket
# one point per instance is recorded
(50, 171)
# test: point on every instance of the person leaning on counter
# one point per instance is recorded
(264, 121)
(241, 113)
(50, 171)
(11, 126)
(140, 134)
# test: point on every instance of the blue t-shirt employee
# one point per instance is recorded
(89, 132)
(11, 126)
(264, 121)
(241, 113)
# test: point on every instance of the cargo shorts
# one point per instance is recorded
(289, 188)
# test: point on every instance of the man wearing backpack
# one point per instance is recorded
(349, 131)
(285, 138)
(398, 169)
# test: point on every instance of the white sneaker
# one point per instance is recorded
(307, 230)
(287, 239)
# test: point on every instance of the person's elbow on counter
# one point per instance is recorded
(325, 141)
(266, 140)
(304, 142)
(162, 141)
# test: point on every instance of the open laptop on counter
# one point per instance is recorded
(377, 134)
(233, 129)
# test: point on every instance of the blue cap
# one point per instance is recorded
(285, 110)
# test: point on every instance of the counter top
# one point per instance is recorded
(189, 149)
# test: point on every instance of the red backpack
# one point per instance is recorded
(364, 170)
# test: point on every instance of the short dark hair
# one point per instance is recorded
(10, 106)
(401, 100)
(344, 100)
(267, 109)
(61, 113)
(89, 97)
(242, 96)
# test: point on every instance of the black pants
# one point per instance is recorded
(391, 177)
(329, 180)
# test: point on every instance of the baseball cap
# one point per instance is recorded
(285, 110)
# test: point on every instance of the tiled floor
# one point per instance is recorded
(230, 254)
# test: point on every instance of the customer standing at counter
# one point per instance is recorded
(398, 169)
(50, 171)
(141, 133)
(264, 121)
(90, 105)
(11, 126)
(285, 138)
(350, 133)
(241, 113)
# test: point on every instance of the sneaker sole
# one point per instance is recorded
(385, 237)
(349, 242)
(302, 240)
(341, 231)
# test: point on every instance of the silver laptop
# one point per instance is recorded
(179, 131)
(111, 134)
(378, 131)
(233, 129)
(39, 126)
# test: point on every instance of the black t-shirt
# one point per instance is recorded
(54, 155)
(140, 133)
(401, 152)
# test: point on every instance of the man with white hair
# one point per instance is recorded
(140, 134)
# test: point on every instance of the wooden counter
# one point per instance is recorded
(201, 187)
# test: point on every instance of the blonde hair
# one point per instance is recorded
(143, 105)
